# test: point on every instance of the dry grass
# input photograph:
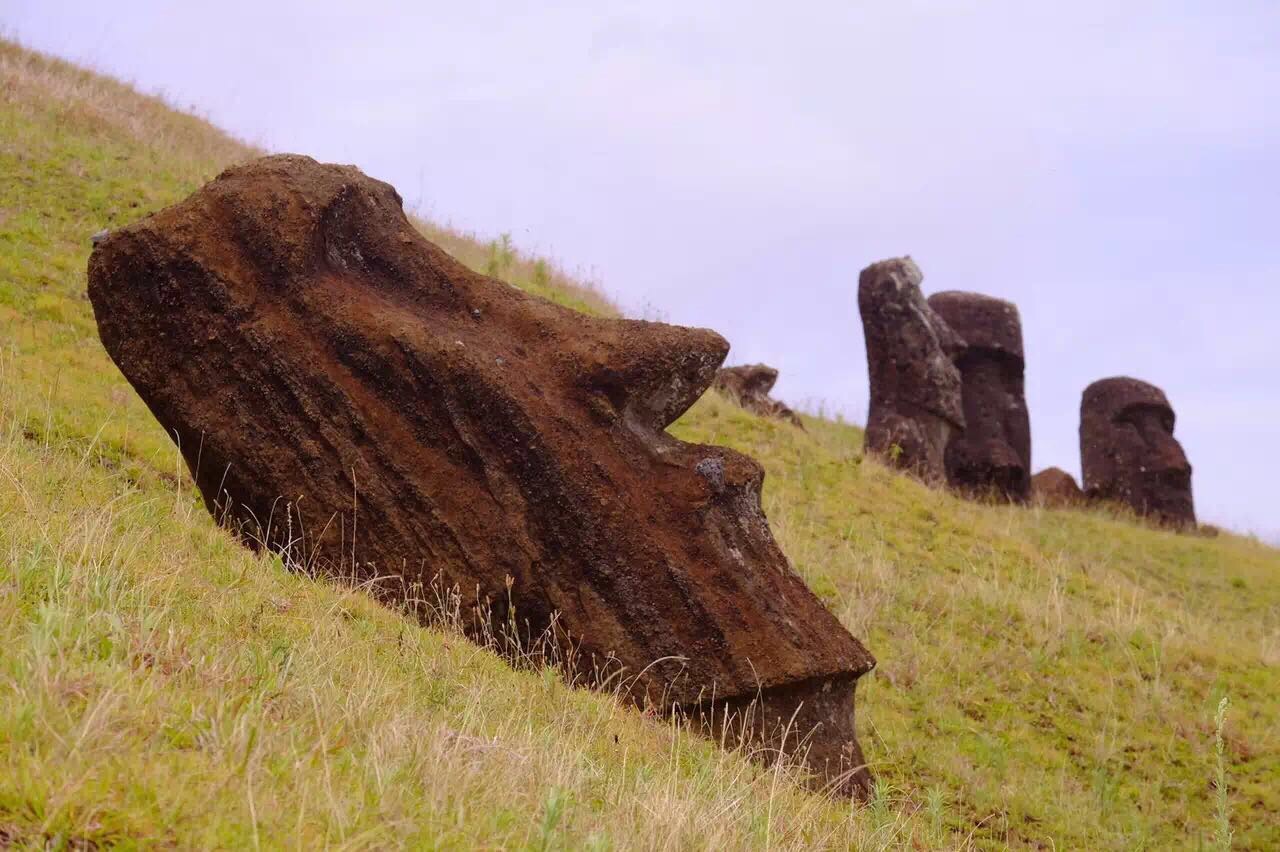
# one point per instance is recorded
(35, 83)
(1047, 679)
(144, 647)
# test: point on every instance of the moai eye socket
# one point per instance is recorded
(1151, 421)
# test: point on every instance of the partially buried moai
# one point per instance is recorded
(346, 392)
(915, 385)
(1128, 453)
(992, 456)
(1054, 488)
(749, 386)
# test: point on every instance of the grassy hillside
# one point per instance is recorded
(1046, 679)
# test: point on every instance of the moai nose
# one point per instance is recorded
(1169, 456)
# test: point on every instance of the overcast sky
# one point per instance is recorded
(1113, 168)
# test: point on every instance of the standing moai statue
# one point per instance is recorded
(1128, 453)
(915, 385)
(993, 454)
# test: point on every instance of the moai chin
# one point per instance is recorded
(915, 386)
(993, 454)
(1128, 453)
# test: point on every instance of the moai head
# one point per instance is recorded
(345, 391)
(749, 385)
(1054, 488)
(915, 385)
(1128, 453)
(747, 379)
(993, 454)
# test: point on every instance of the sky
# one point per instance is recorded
(1112, 168)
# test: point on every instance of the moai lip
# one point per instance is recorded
(992, 456)
(345, 392)
(915, 385)
(1128, 453)
(749, 386)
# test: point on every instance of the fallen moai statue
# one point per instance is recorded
(915, 385)
(346, 392)
(1128, 453)
(1055, 488)
(992, 456)
(749, 385)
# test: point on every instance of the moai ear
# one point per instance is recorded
(652, 372)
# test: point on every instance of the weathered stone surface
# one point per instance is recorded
(750, 384)
(1128, 453)
(915, 385)
(992, 456)
(343, 390)
(1055, 488)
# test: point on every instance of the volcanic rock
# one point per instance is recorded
(345, 392)
(992, 456)
(1128, 453)
(915, 385)
(749, 385)
(1055, 488)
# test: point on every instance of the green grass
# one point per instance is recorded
(1047, 678)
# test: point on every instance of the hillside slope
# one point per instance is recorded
(1047, 679)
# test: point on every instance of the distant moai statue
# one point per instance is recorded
(915, 385)
(749, 386)
(1128, 453)
(1054, 488)
(992, 456)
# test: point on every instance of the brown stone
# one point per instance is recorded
(343, 391)
(915, 385)
(1055, 488)
(1128, 453)
(749, 386)
(992, 456)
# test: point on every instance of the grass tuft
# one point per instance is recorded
(1223, 833)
